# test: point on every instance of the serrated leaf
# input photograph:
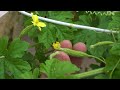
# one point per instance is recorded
(36, 73)
(26, 75)
(13, 67)
(104, 21)
(61, 15)
(112, 66)
(115, 49)
(17, 48)
(28, 57)
(115, 23)
(58, 69)
(10, 63)
(27, 21)
(17, 66)
(47, 36)
(98, 37)
(3, 44)
(42, 13)
(2, 69)
(111, 61)
(32, 60)
(116, 74)
(101, 76)
(85, 20)
(30, 74)
(63, 33)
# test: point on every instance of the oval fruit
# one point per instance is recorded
(80, 47)
(76, 60)
(66, 44)
(62, 56)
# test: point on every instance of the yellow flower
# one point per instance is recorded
(56, 45)
(36, 22)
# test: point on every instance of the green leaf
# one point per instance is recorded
(30, 75)
(17, 66)
(101, 76)
(34, 32)
(104, 21)
(61, 15)
(27, 21)
(3, 44)
(17, 48)
(116, 74)
(13, 67)
(10, 65)
(85, 20)
(2, 69)
(111, 61)
(115, 23)
(92, 37)
(29, 58)
(42, 13)
(118, 37)
(63, 33)
(26, 75)
(55, 68)
(47, 36)
(36, 73)
(115, 49)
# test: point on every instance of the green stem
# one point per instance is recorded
(54, 54)
(89, 73)
(114, 69)
(25, 30)
(101, 43)
(2, 57)
(97, 58)
(113, 37)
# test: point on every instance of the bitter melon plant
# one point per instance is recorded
(57, 52)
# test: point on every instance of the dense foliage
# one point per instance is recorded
(16, 61)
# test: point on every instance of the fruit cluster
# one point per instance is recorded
(64, 56)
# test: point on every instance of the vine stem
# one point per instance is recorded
(97, 58)
(113, 37)
(101, 43)
(54, 54)
(89, 73)
(2, 57)
(114, 69)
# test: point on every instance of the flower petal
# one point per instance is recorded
(56, 45)
(35, 18)
(41, 24)
(39, 28)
